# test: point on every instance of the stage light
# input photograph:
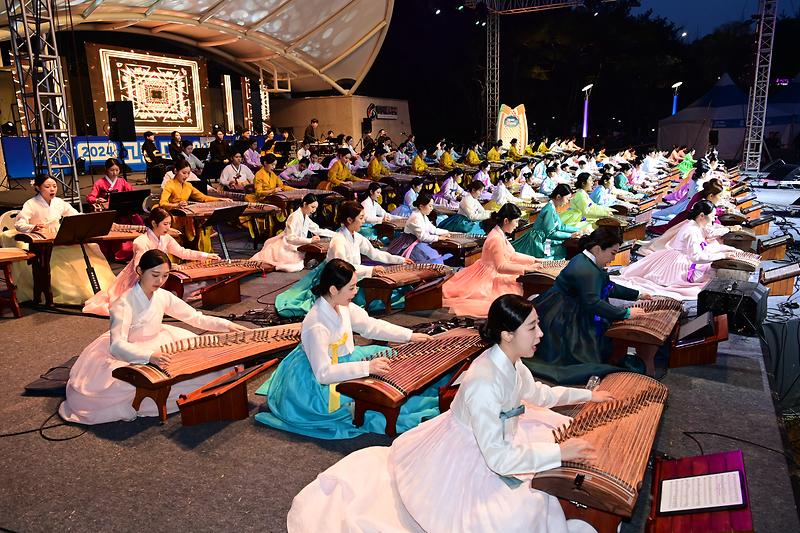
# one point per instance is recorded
(587, 87)
(676, 85)
(585, 132)
(675, 96)
(483, 23)
(596, 13)
(477, 22)
(461, 7)
(438, 11)
(684, 34)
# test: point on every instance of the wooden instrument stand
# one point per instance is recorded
(703, 351)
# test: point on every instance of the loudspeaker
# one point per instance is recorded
(744, 302)
(366, 126)
(121, 126)
(782, 360)
(783, 172)
(713, 137)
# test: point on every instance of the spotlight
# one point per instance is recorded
(684, 34)
(438, 11)
(676, 85)
(483, 23)
(461, 7)
(477, 22)
(596, 13)
(587, 87)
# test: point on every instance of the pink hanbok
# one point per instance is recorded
(127, 278)
(101, 191)
(678, 265)
(94, 396)
(473, 289)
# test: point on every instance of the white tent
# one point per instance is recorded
(723, 108)
(305, 45)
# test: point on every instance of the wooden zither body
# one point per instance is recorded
(543, 278)
(465, 248)
(206, 209)
(225, 273)
(622, 432)
(737, 267)
(412, 367)
(203, 354)
(426, 281)
(654, 328)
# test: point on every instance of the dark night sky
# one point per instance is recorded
(700, 17)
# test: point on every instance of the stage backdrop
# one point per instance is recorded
(342, 114)
(168, 92)
(512, 124)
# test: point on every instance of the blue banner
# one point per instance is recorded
(93, 150)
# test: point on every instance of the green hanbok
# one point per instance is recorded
(546, 237)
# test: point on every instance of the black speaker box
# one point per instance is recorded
(121, 126)
(713, 137)
(744, 302)
(785, 171)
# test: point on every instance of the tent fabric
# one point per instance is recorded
(311, 44)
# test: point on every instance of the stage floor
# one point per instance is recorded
(242, 476)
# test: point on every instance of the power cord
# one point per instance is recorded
(44, 427)
(691, 435)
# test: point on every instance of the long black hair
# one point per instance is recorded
(336, 273)
(508, 211)
(507, 313)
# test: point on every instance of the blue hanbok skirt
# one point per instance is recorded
(297, 300)
(298, 403)
(462, 224)
(421, 253)
(402, 210)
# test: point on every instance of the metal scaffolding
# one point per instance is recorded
(494, 9)
(41, 85)
(757, 107)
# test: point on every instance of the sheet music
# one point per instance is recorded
(701, 492)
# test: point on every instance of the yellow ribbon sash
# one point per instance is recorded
(334, 399)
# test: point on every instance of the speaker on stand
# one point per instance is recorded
(121, 127)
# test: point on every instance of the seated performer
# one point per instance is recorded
(236, 176)
(497, 433)
(99, 198)
(157, 237)
(472, 158)
(177, 193)
(546, 237)
(405, 209)
(373, 212)
(482, 175)
(603, 193)
(682, 266)
(684, 194)
(494, 152)
(301, 394)
(266, 182)
(281, 251)
(339, 171)
(513, 152)
(502, 192)
(472, 289)
(94, 396)
(68, 280)
(470, 212)
(575, 313)
(347, 244)
(712, 191)
(377, 167)
(418, 164)
(582, 212)
(419, 232)
(446, 161)
(450, 191)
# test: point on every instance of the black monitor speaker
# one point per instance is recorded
(121, 126)
(744, 302)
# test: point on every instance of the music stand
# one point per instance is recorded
(128, 202)
(80, 229)
(221, 215)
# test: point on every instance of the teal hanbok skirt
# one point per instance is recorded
(462, 224)
(297, 300)
(299, 404)
(533, 242)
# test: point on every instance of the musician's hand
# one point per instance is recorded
(213, 256)
(237, 327)
(379, 366)
(730, 255)
(637, 312)
(600, 396)
(229, 200)
(175, 232)
(315, 238)
(577, 450)
(377, 270)
(420, 337)
(38, 227)
(160, 359)
(183, 203)
(408, 261)
(645, 296)
(387, 218)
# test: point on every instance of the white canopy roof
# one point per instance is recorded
(311, 44)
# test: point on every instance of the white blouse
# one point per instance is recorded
(297, 227)
(492, 386)
(133, 315)
(38, 211)
(325, 329)
(472, 208)
(373, 212)
(243, 175)
(351, 246)
(166, 243)
(502, 195)
(421, 227)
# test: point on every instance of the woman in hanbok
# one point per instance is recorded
(281, 251)
(469, 469)
(546, 237)
(136, 334)
(711, 191)
(99, 198)
(404, 210)
(156, 237)
(472, 289)
(482, 175)
(419, 232)
(550, 181)
(502, 192)
(684, 194)
(418, 164)
(348, 244)
(470, 212)
(603, 194)
(683, 266)
(301, 393)
(575, 313)
(69, 283)
(450, 191)
(472, 158)
(583, 212)
(373, 212)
